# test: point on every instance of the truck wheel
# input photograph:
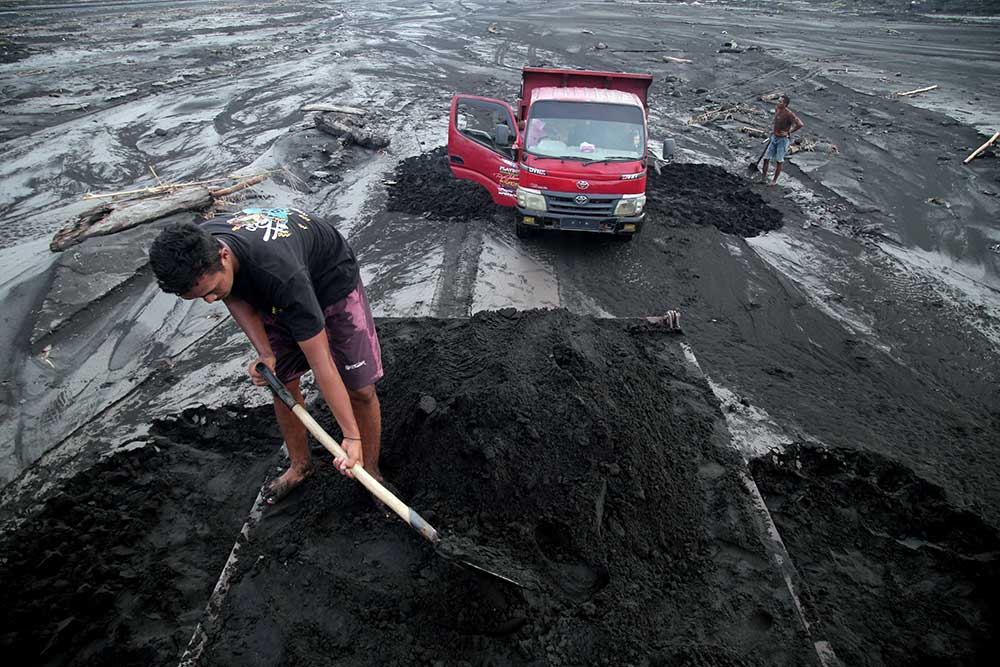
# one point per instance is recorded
(624, 238)
(523, 231)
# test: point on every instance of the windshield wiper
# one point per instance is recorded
(613, 158)
(554, 157)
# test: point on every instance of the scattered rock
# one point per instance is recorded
(427, 404)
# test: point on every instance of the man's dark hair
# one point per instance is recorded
(784, 97)
(181, 255)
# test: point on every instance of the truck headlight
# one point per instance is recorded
(630, 205)
(530, 199)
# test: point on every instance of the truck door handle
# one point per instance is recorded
(456, 159)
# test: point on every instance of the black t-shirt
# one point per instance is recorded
(291, 264)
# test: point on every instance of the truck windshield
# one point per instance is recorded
(588, 131)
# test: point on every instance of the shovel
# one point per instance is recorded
(753, 167)
(452, 549)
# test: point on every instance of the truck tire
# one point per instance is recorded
(523, 231)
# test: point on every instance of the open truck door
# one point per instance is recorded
(482, 135)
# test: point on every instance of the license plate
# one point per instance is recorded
(581, 224)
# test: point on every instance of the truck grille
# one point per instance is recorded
(597, 206)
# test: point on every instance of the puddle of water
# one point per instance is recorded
(810, 267)
(964, 286)
(754, 433)
(510, 277)
(406, 293)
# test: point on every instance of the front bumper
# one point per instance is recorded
(577, 223)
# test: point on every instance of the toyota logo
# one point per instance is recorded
(582, 185)
(581, 200)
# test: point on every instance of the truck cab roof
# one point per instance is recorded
(598, 95)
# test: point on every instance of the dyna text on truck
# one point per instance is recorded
(573, 157)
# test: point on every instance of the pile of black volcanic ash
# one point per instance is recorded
(702, 194)
(116, 565)
(580, 450)
(897, 574)
(424, 185)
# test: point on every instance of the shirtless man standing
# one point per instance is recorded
(785, 124)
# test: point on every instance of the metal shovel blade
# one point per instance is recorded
(485, 560)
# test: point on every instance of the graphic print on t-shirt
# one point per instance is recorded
(291, 264)
(274, 222)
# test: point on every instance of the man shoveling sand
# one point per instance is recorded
(291, 282)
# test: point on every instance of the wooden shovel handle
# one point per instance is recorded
(405, 512)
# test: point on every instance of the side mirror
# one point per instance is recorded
(502, 135)
(663, 151)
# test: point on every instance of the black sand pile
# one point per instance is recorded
(683, 194)
(702, 194)
(424, 185)
(117, 565)
(896, 574)
(583, 450)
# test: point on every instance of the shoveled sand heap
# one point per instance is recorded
(590, 452)
(585, 450)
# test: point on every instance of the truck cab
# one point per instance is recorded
(572, 157)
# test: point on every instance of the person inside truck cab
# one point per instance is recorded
(584, 133)
(540, 131)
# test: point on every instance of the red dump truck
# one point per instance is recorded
(572, 157)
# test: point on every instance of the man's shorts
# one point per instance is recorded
(353, 342)
(776, 149)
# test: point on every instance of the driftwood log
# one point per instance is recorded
(242, 185)
(972, 156)
(918, 90)
(319, 106)
(116, 216)
(350, 129)
(159, 202)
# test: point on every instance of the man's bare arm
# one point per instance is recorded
(331, 385)
(249, 320)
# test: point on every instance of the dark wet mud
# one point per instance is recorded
(703, 194)
(896, 574)
(424, 185)
(582, 451)
(117, 564)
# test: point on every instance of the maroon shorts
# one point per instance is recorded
(353, 342)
